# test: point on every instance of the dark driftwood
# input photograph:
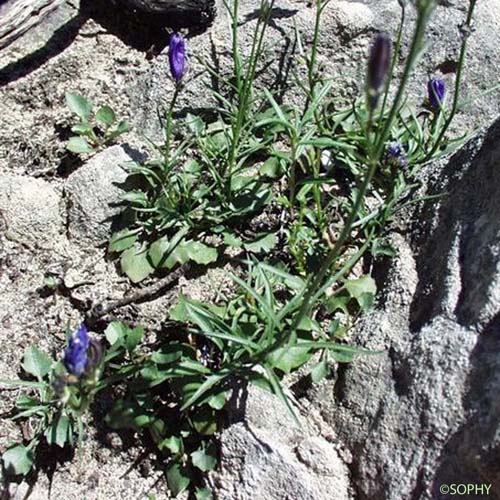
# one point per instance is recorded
(169, 6)
(19, 16)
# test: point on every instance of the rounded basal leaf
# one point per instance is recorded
(105, 116)
(78, 104)
(17, 460)
(173, 443)
(230, 239)
(79, 145)
(162, 256)
(204, 421)
(288, 358)
(200, 253)
(133, 337)
(363, 289)
(217, 401)
(115, 332)
(122, 240)
(135, 264)
(159, 251)
(271, 168)
(263, 243)
(36, 362)
(203, 494)
(205, 458)
(178, 478)
(57, 432)
(82, 128)
(320, 371)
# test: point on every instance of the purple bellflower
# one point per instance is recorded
(436, 90)
(177, 56)
(395, 155)
(378, 67)
(75, 355)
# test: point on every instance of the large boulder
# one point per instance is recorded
(93, 193)
(264, 454)
(30, 210)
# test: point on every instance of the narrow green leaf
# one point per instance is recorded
(278, 390)
(204, 387)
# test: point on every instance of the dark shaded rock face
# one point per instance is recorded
(426, 412)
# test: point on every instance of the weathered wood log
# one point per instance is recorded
(19, 16)
(170, 6)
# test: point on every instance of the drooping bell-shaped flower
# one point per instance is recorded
(395, 155)
(177, 56)
(378, 68)
(75, 355)
(436, 90)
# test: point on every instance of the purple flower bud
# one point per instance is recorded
(395, 155)
(177, 56)
(75, 355)
(436, 90)
(378, 67)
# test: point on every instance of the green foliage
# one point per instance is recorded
(298, 198)
(17, 460)
(92, 131)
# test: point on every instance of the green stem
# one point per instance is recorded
(168, 128)
(424, 14)
(458, 81)
(394, 59)
(244, 82)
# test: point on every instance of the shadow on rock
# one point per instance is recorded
(473, 452)
(457, 266)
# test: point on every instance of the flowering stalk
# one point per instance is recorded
(378, 68)
(177, 62)
(395, 56)
(244, 82)
(425, 9)
(458, 81)
(436, 90)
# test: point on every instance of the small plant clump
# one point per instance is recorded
(327, 181)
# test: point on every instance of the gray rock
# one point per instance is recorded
(426, 412)
(30, 209)
(268, 456)
(93, 194)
